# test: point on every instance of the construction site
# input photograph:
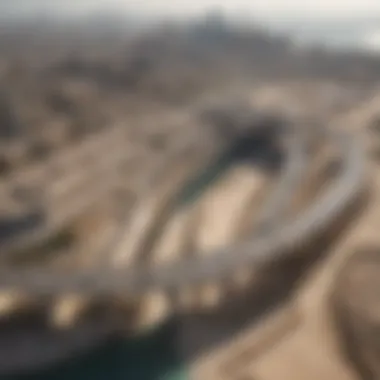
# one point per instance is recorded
(194, 202)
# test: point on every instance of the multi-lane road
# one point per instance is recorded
(168, 257)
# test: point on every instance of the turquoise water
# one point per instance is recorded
(152, 357)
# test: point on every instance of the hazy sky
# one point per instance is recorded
(263, 8)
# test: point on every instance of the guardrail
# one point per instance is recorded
(199, 268)
(279, 240)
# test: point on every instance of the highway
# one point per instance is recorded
(199, 268)
(167, 258)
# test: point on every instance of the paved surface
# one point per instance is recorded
(302, 340)
(199, 228)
